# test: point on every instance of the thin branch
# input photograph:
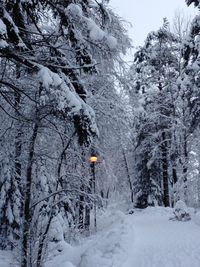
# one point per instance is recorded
(72, 68)
(11, 116)
(17, 90)
(58, 192)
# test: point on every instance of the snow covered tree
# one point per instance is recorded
(189, 92)
(195, 2)
(156, 70)
(57, 55)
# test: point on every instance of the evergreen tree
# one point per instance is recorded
(156, 68)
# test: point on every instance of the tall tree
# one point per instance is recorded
(59, 51)
(156, 69)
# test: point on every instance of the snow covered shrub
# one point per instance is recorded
(142, 201)
(181, 211)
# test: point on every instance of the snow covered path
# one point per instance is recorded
(144, 239)
(162, 243)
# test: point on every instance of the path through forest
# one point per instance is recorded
(162, 242)
(146, 238)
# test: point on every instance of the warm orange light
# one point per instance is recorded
(93, 159)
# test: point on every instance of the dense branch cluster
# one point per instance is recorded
(56, 59)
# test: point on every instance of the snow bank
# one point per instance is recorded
(109, 247)
(111, 244)
(109, 218)
(156, 211)
(62, 254)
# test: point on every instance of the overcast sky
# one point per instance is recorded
(147, 15)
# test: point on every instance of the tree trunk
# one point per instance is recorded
(185, 167)
(81, 209)
(27, 201)
(16, 179)
(174, 181)
(128, 176)
(18, 143)
(87, 218)
(88, 208)
(94, 191)
(164, 149)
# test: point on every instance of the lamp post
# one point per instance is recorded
(93, 160)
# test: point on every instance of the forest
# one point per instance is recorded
(66, 95)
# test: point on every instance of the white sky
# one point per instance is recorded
(147, 15)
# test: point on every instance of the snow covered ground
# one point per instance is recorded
(146, 238)
(107, 248)
(162, 242)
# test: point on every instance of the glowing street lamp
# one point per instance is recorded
(93, 161)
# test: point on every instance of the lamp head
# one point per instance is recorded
(93, 158)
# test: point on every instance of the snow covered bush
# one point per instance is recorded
(181, 211)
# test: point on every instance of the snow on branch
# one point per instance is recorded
(92, 197)
(66, 98)
(74, 12)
